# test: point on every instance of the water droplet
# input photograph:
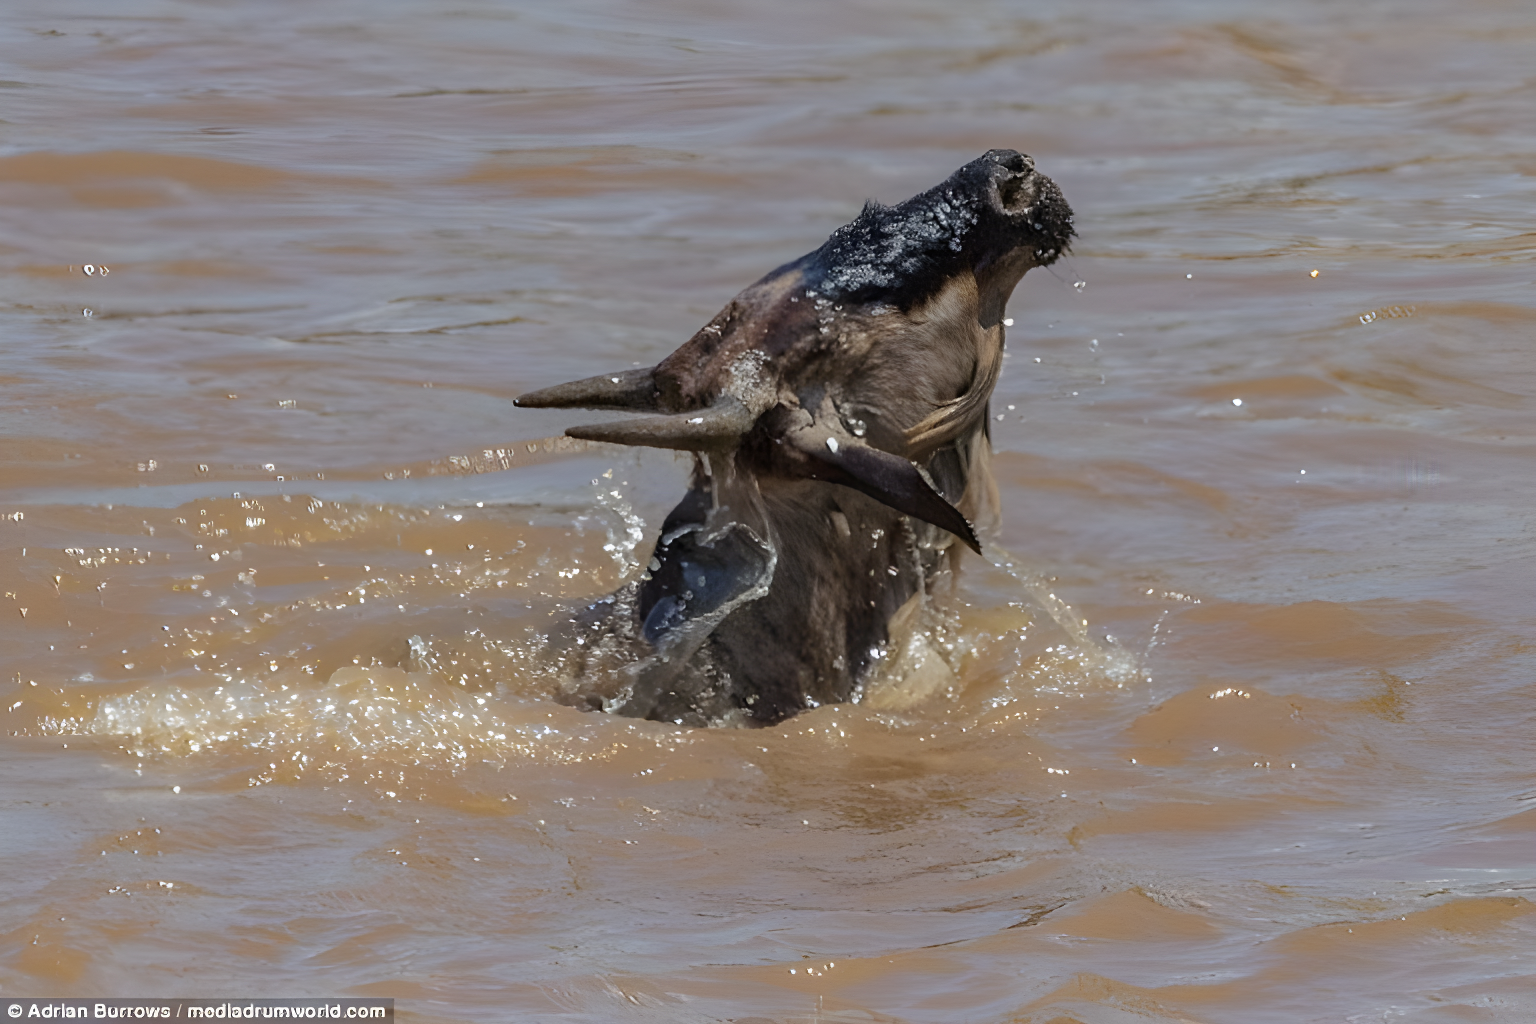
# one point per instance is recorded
(87, 313)
(1313, 274)
(1008, 322)
(1189, 277)
(1237, 401)
(90, 271)
(1079, 285)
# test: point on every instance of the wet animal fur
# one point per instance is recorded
(838, 409)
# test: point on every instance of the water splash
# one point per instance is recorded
(1104, 657)
(372, 724)
(626, 528)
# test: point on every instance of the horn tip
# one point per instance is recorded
(589, 432)
(540, 399)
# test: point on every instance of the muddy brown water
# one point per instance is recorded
(1244, 733)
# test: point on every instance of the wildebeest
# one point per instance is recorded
(838, 414)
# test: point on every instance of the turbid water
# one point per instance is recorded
(1240, 731)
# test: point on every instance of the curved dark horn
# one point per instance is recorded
(630, 389)
(719, 426)
(839, 458)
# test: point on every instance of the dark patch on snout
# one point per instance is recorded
(905, 253)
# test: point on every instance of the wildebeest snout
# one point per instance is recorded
(838, 413)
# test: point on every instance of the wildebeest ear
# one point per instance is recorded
(838, 458)
(629, 389)
(719, 426)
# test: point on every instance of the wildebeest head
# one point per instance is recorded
(838, 410)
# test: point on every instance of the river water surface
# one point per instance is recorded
(1241, 731)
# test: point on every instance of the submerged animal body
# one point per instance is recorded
(838, 414)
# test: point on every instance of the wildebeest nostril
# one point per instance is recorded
(773, 583)
(1018, 163)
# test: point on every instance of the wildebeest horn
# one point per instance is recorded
(629, 389)
(890, 479)
(719, 426)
